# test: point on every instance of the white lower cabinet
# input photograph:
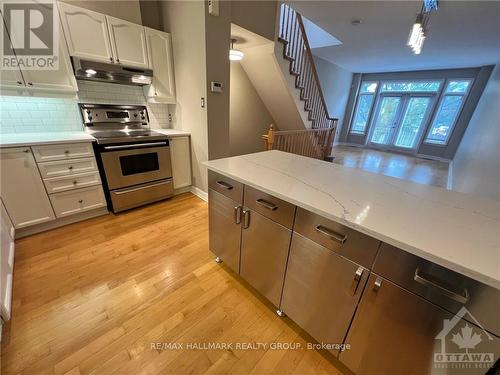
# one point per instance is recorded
(65, 181)
(22, 189)
(81, 200)
(6, 264)
(180, 152)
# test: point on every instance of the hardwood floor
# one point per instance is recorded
(92, 298)
(422, 171)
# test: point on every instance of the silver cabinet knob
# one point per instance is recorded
(19, 82)
(27, 150)
(377, 284)
(75, 182)
(118, 61)
(66, 152)
(80, 201)
(30, 83)
(70, 167)
(111, 59)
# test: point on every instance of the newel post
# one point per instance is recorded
(269, 137)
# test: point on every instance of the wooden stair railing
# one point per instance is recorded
(296, 49)
(314, 143)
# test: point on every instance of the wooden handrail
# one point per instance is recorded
(315, 143)
(313, 65)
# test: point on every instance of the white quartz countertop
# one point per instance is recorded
(173, 132)
(31, 139)
(455, 230)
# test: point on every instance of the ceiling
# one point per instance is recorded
(461, 34)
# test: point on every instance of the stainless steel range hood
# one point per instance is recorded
(112, 73)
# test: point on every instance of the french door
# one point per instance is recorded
(399, 120)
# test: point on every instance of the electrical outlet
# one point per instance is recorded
(202, 102)
(213, 7)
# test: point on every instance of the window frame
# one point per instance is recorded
(370, 111)
(435, 113)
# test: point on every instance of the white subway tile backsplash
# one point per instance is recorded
(22, 114)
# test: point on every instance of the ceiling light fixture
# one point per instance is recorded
(234, 54)
(419, 29)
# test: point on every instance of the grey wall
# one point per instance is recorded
(336, 85)
(249, 118)
(476, 166)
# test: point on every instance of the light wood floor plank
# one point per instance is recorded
(91, 298)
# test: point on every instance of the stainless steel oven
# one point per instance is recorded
(134, 160)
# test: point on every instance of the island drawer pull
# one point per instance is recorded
(225, 185)
(246, 219)
(424, 279)
(331, 234)
(237, 214)
(267, 204)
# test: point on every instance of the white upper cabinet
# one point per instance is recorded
(161, 61)
(11, 78)
(86, 33)
(61, 79)
(22, 189)
(128, 42)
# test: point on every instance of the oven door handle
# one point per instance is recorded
(140, 188)
(135, 145)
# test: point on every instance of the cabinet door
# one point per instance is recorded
(61, 79)
(397, 332)
(86, 33)
(11, 78)
(322, 290)
(264, 250)
(224, 228)
(128, 41)
(6, 264)
(22, 189)
(181, 161)
(161, 61)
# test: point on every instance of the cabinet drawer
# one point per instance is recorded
(67, 167)
(347, 242)
(226, 186)
(57, 184)
(62, 151)
(73, 202)
(444, 287)
(271, 207)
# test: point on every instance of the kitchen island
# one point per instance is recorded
(361, 260)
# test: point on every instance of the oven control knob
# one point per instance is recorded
(90, 118)
(135, 114)
(143, 118)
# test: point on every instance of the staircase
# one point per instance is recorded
(315, 142)
(297, 51)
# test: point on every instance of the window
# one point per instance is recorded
(363, 107)
(447, 112)
(409, 86)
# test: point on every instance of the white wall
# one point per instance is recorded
(186, 21)
(336, 85)
(249, 118)
(129, 10)
(476, 165)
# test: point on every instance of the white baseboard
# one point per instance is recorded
(182, 190)
(449, 183)
(199, 193)
(20, 233)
